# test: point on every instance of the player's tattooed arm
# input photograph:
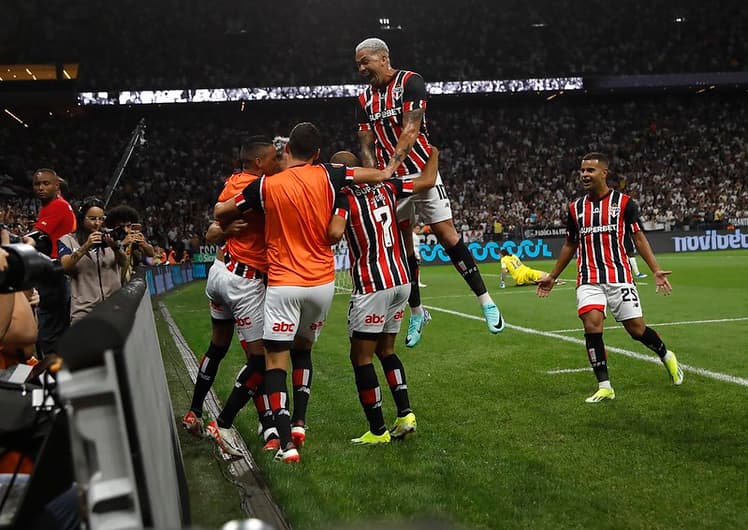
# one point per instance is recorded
(411, 129)
(366, 142)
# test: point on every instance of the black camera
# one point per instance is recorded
(27, 268)
(116, 234)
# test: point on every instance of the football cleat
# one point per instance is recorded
(415, 327)
(222, 439)
(193, 424)
(298, 435)
(641, 275)
(601, 395)
(493, 317)
(369, 438)
(403, 426)
(673, 368)
(289, 455)
(273, 444)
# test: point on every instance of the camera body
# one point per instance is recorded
(116, 234)
(27, 268)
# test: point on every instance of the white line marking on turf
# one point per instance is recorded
(662, 324)
(628, 353)
(568, 371)
(212, 403)
(504, 292)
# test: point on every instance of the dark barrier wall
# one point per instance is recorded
(123, 434)
(549, 247)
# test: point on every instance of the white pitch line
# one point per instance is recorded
(661, 324)
(504, 292)
(727, 378)
(568, 371)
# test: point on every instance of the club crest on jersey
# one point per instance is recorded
(397, 91)
(614, 211)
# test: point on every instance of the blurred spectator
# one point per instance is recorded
(504, 160)
(126, 231)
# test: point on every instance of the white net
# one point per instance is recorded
(343, 283)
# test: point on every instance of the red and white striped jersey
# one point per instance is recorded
(376, 248)
(600, 226)
(381, 111)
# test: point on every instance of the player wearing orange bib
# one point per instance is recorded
(236, 291)
(297, 204)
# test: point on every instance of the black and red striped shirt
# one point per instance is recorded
(375, 246)
(381, 111)
(600, 226)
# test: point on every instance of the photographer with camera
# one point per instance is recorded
(93, 259)
(55, 219)
(124, 222)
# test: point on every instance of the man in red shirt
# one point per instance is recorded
(56, 218)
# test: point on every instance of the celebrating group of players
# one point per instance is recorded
(274, 279)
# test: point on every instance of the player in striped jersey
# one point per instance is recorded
(596, 227)
(301, 268)
(381, 285)
(392, 134)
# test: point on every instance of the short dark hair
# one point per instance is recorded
(46, 170)
(601, 157)
(252, 146)
(505, 252)
(120, 215)
(304, 141)
(346, 158)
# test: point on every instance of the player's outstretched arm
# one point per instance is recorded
(546, 283)
(217, 235)
(225, 212)
(427, 180)
(366, 175)
(662, 284)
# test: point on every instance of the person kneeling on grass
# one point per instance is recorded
(367, 214)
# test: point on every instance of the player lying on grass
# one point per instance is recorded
(522, 274)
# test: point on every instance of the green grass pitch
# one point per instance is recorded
(504, 438)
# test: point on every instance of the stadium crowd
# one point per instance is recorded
(509, 161)
(208, 44)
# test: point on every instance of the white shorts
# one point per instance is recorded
(292, 311)
(378, 312)
(233, 297)
(432, 205)
(622, 298)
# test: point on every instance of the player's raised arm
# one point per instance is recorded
(427, 179)
(366, 143)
